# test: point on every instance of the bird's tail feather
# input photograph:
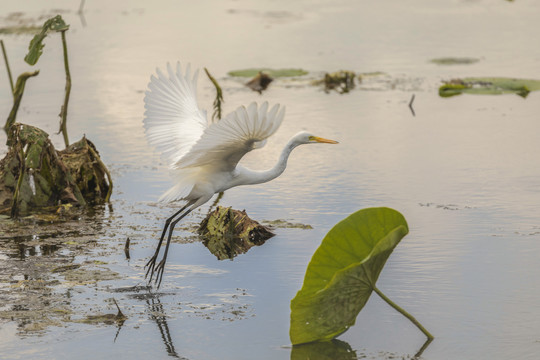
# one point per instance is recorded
(185, 180)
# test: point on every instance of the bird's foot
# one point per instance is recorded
(155, 269)
(160, 268)
(150, 265)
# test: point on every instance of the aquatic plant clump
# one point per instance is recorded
(32, 175)
(90, 174)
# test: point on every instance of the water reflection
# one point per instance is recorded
(25, 251)
(157, 314)
(341, 350)
(227, 247)
(328, 350)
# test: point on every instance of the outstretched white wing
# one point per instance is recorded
(173, 120)
(224, 143)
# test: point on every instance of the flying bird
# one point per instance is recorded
(203, 155)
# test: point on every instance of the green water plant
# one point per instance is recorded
(18, 92)
(489, 86)
(35, 50)
(216, 115)
(343, 273)
(52, 180)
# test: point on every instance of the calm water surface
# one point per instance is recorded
(464, 171)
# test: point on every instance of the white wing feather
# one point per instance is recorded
(173, 120)
(224, 143)
(192, 147)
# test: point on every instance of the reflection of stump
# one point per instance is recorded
(229, 232)
(33, 175)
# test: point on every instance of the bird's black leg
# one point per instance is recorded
(152, 262)
(161, 266)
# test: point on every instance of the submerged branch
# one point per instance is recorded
(411, 105)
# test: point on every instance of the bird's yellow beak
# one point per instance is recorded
(322, 140)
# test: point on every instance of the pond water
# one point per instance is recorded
(464, 171)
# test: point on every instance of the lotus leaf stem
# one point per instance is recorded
(63, 112)
(404, 313)
(7, 66)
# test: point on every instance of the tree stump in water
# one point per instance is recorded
(228, 232)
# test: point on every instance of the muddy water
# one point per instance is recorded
(464, 172)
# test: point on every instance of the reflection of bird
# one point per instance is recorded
(202, 155)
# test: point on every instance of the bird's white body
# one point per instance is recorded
(202, 155)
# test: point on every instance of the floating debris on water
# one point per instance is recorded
(454, 61)
(341, 81)
(260, 82)
(275, 73)
(284, 224)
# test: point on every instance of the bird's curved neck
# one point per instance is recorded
(258, 177)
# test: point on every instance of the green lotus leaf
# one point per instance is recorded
(489, 86)
(342, 273)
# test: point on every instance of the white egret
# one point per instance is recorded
(203, 155)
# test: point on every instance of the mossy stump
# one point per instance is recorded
(228, 232)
